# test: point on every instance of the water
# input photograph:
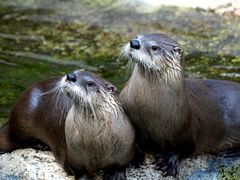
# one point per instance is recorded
(40, 39)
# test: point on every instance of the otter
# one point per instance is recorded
(79, 118)
(174, 115)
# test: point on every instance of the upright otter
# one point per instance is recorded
(178, 116)
(79, 118)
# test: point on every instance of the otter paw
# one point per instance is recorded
(83, 177)
(117, 174)
(41, 147)
(3, 152)
(138, 159)
(229, 153)
(168, 165)
(36, 144)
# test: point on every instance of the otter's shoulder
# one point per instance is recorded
(42, 85)
(211, 84)
(39, 88)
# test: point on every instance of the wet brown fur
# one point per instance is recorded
(38, 121)
(177, 114)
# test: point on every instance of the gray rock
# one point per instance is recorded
(31, 164)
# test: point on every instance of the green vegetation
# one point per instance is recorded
(39, 39)
(231, 173)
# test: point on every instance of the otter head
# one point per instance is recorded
(86, 89)
(155, 54)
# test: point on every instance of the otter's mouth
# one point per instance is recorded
(73, 91)
(131, 54)
(141, 58)
(135, 59)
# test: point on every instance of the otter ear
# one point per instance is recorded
(178, 50)
(111, 89)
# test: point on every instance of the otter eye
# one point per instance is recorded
(111, 89)
(178, 50)
(154, 47)
(90, 83)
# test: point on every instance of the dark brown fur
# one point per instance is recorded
(178, 115)
(38, 121)
(45, 122)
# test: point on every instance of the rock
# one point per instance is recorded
(32, 164)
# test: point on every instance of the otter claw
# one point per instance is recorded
(168, 165)
(41, 147)
(158, 160)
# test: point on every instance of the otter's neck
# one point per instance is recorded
(171, 79)
(164, 97)
(83, 122)
(80, 126)
(82, 129)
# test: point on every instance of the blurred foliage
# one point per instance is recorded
(230, 173)
(37, 36)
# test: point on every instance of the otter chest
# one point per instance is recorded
(154, 110)
(90, 141)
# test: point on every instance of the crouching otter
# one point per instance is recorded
(79, 118)
(178, 116)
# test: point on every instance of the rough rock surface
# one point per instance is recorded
(32, 164)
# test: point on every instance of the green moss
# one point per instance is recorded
(231, 173)
(93, 32)
(99, 2)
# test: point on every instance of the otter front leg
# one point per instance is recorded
(138, 158)
(229, 153)
(83, 177)
(7, 144)
(168, 164)
(118, 173)
(78, 174)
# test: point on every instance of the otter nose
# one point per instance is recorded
(135, 44)
(72, 77)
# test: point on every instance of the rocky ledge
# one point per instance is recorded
(32, 164)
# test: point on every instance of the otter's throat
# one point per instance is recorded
(161, 100)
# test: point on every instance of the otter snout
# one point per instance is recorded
(72, 77)
(135, 44)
